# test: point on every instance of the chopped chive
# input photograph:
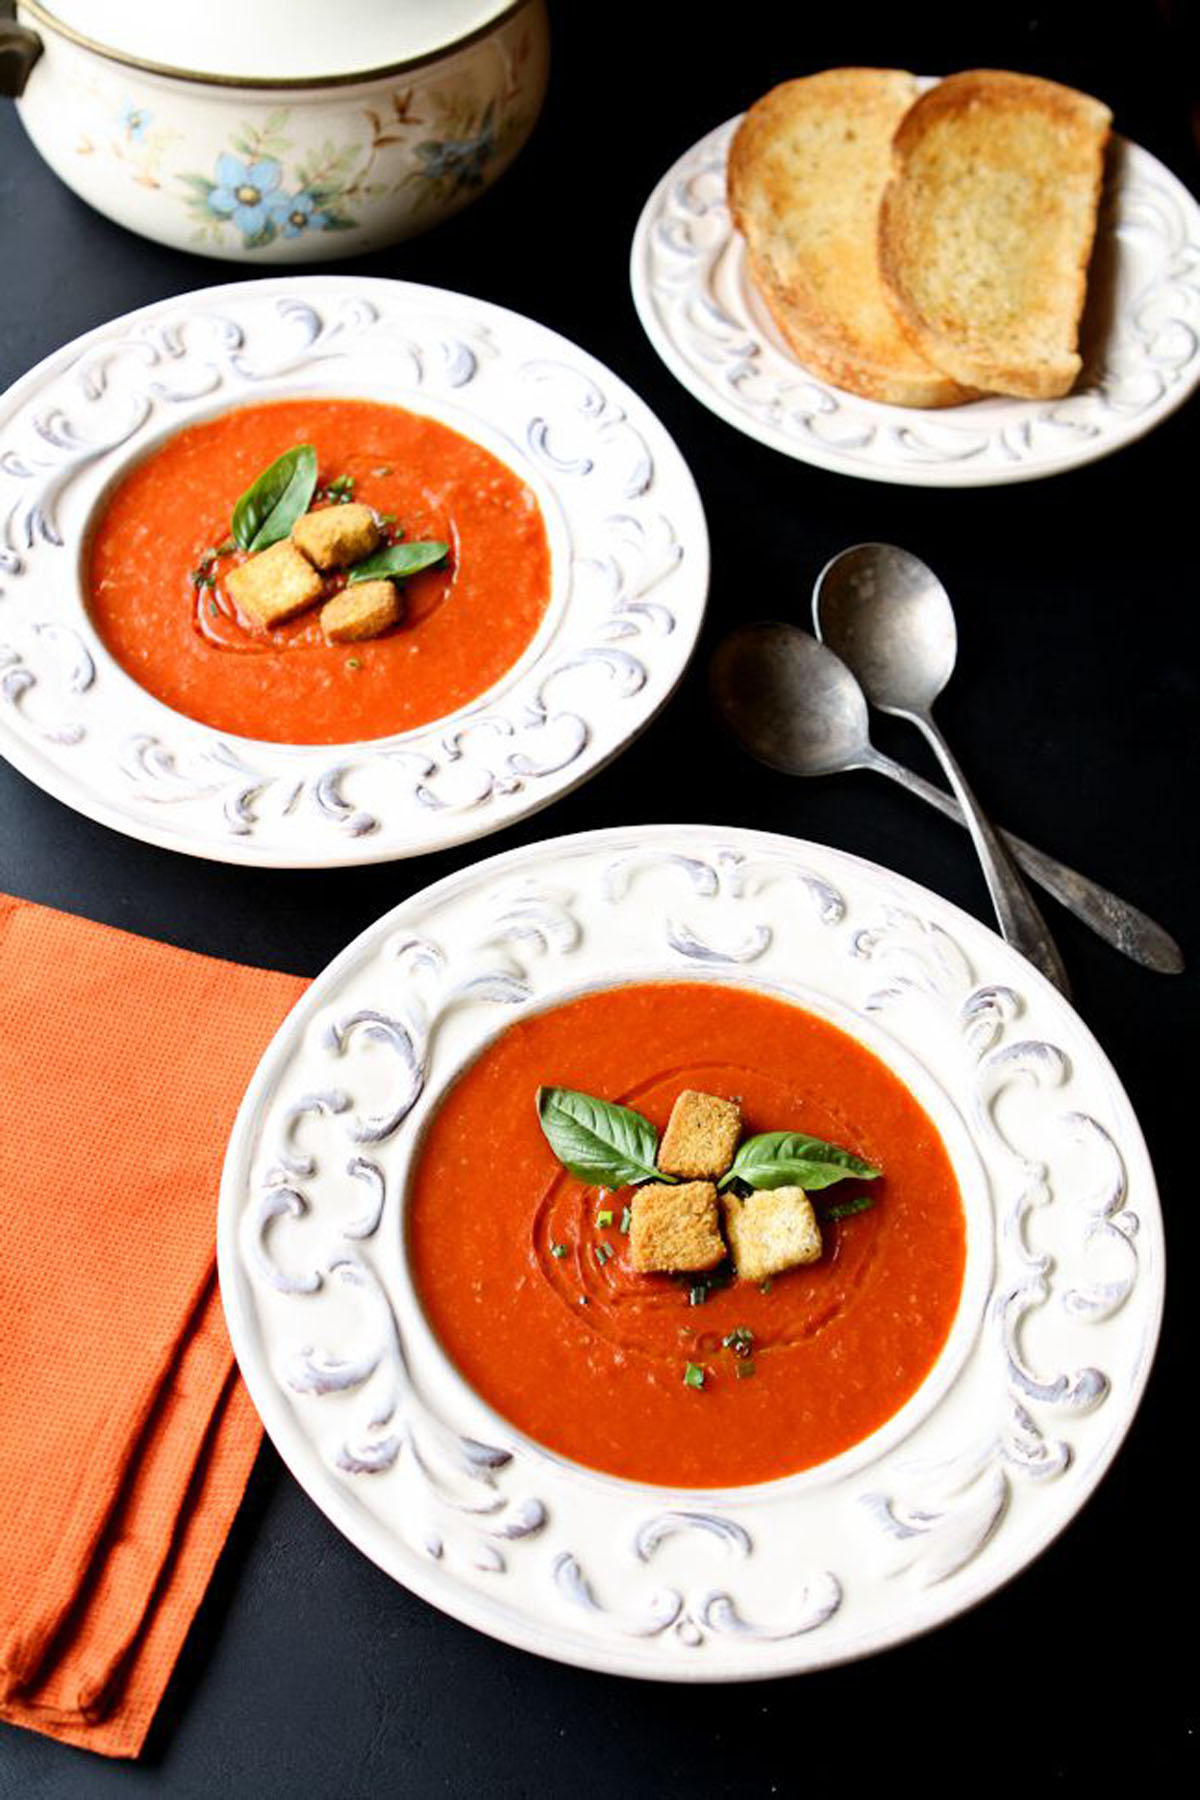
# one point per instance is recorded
(764, 1287)
(844, 1209)
(705, 1284)
(558, 1250)
(212, 607)
(739, 1340)
(352, 662)
(604, 1218)
(337, 491)
(603, 1253)
(626, 1220)
(744, 1370)
(693, 1375)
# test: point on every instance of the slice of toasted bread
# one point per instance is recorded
(807, 168)
(987, 224)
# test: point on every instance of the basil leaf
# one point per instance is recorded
(789, 1159)
(609, 1145)
(270, 507)
(399, 560)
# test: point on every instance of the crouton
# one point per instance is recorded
(274, 585)
(336, 536)
(701, 1136)
(771, 1230)
(675, 1227)
(362, 610)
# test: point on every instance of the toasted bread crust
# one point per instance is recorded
(987, 224)
(701, 1136)
(274, 585)
(770, 1231)
(365, 609)
(333, 536)
(676, 1228)
(807, 167)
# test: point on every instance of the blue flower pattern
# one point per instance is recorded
(247, 189)
(134, 120)
(248, 194)
(303, 214)
(462, 161)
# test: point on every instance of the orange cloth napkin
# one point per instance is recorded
(126, 1437)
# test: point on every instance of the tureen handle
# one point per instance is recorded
(19, 50)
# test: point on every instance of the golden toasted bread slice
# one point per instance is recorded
(806, 171)
(987, 224)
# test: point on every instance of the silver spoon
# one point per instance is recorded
(890, 618)
(793, 704)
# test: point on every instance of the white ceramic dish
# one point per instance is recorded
(628, 544)
(1141, 340)
(287, 131)
(990, 1459)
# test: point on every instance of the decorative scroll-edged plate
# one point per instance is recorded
(991, 1458)
(1140, 340)
(629, 553)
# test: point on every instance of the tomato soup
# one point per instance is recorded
(587, 1356)
(179, 634)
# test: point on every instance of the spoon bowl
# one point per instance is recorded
(789, 701)
(889, 616)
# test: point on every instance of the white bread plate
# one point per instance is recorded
(1140, 340)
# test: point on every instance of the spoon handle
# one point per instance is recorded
(1125, 926)
(1020, 921)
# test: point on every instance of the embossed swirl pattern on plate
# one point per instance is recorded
(980, 1469)
(628, 542)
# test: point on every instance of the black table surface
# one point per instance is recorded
(308, 1671)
